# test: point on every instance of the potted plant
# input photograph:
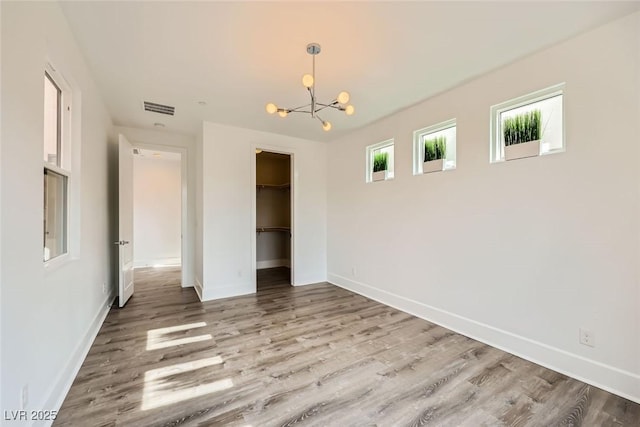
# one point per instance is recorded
(435, 151)
(380, 163)
(522, 135)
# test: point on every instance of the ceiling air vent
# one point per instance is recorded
(159, 108)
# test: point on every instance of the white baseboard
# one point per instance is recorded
(198, 288)
(60, 387)
(299, 280)
(271, 263)
(219, 292)
(623, 383)
(139, 263)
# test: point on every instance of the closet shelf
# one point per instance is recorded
(285, 186)
(272, 229)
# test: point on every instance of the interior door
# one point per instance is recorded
(125, 220)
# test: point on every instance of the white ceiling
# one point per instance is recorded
(237, 56)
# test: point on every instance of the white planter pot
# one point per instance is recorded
(433, 166)
(379, 176)
(519, 151)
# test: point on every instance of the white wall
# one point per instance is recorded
(157, 200)
(272, 250)
(49, 316)
(1, 103)
(228, 208)
(519, 254)
(186, 146)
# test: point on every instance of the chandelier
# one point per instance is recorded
(308, 80)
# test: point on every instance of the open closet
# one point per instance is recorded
(273, 219)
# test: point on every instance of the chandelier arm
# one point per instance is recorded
(298, 108)
(313, 100)
(333, 104)
(312, 97)
(335, 107)
(323, 106)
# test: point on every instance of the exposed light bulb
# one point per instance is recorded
(307, 80)
(343, 97)
(326, 126)
(258, 151)
(271, 108)
(349, 110)
(283, 113)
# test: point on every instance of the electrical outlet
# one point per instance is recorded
(587, 338)
(24, 396)
(353, 271)
(104, 287)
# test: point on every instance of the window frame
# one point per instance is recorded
(496, 151)
(63, 165)
(59, 120)
(64, 211)
(418, 144)
(370, 150)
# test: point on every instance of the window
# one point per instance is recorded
(56, 166)
(380, 161)
(539, 114)
(55, 214)
(441, 138)
(52, 116)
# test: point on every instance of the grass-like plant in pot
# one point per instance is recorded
(380, 164)
(522, 134)
(435, 151)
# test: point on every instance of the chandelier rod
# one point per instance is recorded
(312, 89)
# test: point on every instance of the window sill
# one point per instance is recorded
(543, 154)
(57, 263)
(389, 178)
(553, 151)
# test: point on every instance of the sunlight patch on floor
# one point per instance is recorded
(157, 339)
(163, 386)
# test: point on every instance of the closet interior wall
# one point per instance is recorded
(273, 210)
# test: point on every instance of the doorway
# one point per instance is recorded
(157, 212)
(273, 220)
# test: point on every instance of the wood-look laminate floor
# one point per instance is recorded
(312, 355)
(273, 278)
